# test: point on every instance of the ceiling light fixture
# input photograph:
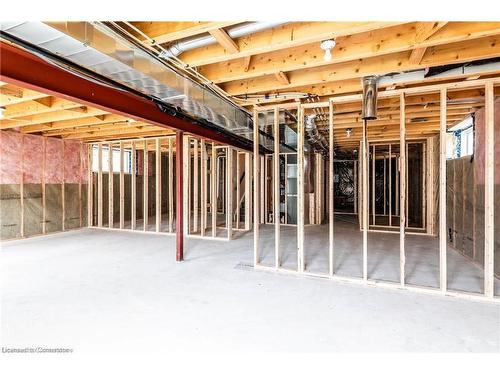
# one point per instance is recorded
(327, 45)
(2, 111)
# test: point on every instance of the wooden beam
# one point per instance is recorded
(165, 32)
(282, 78)
(50, 117)
(424, 30)
(281, 37)
(122, 187)
(224, 40)
(349, 48)
(452, 53)
(246, 63)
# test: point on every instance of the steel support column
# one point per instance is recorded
(179, 218)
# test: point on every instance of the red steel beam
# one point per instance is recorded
(22, 68)
(179, 203)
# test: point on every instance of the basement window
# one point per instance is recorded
(461, 139)
(127, 160)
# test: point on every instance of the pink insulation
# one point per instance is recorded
(53, 161)
(72, 162)
(85, 164)
(23, 154)
(32, 159)
(10, 157)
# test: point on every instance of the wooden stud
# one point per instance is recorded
(133, 194)
(187, 182)
(63, 193)
(186, 155)
(195, 186)
(442, 193)
(361, 195)
(365, 172)
(248, 193)
(257, 193)
(276, 185)
(262, 188)
(229, 192)
(424, 186)
(397, 184)
(355, 177)
(170, 185)
(80, 185)
(158, 185)
(110, 186)
(402, 203)
(145, 187)
(390, 185)
(44, 214)
(99, 186)
(373, 187)
(489, 192)
(331, 206)
(21, 187)
(300, 191)
(203, 190)
(238, 190)
(90, 184)
(385, 185)
(213, 186)
(122, 188)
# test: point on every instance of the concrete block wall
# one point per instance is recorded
(34, 170)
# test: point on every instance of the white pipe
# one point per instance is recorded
(235, 32)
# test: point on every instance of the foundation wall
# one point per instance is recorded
(42, 185)
(465, 196)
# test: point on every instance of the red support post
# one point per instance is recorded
(22, 68)
(179, 218)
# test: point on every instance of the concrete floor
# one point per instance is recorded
(422, 255)
(95, 290)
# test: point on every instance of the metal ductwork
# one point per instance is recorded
(370, 88)
(99, 49)
(201, 41)
(313, 136)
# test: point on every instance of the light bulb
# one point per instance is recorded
(328, 55)
(2, 111)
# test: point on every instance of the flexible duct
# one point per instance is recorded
(314, 137)
(235, 32)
